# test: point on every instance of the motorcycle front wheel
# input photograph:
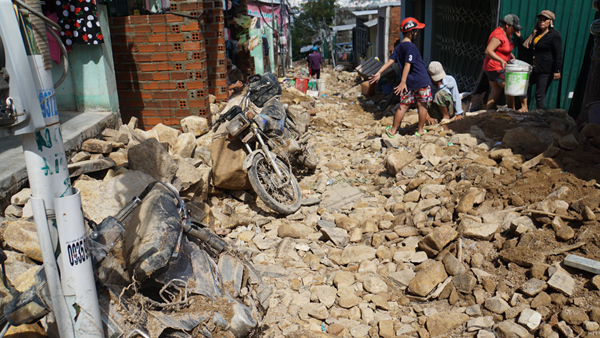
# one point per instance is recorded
(282, 194)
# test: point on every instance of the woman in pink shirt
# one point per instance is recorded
(497, 54)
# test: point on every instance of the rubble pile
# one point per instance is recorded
(468, 230)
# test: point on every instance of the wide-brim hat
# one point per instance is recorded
(436, 71)
(547, 14)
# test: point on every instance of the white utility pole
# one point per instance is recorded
(56, 205)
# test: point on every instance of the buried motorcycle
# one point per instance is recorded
(257, 119)
(152, 260)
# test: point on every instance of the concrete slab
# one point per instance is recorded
(76, 127)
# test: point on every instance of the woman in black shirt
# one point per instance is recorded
(545, 47)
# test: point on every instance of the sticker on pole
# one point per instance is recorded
(77, 251)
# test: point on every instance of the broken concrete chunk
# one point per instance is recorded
(164, 134)
(95, 146)
(427, 279)
(357, 254)
(522, 256)
(398, 160)
(111, 135)
(90, 166)
(340, 195)
(80, 156)
(151, 158)
(196, 125)
(530, 319)
(474, 196)
(471, 228)
(21, 197)
(508, 328)
(185, 145)
(337, 236)
(568, 142)
(533, 286)
(434, 242)
(22, 236)
(14, 211)
(496, 305)
(563, 282)
(442, 323)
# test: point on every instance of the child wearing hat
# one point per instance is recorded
(415, 84)
(446, 97)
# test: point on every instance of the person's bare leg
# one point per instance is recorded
(510, 102)
(398, 119)
(445, 114)
(423, 116)
(524, 108)
(494, 95)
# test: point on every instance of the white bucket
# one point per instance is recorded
(517, 78)
(321, 85)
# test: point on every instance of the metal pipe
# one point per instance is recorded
(77, 275)
(59, 305)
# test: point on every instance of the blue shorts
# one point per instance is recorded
(495, 75)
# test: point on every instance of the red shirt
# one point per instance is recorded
(504, 51)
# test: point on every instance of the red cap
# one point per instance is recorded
(409, 24)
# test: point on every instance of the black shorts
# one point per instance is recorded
(495, 75)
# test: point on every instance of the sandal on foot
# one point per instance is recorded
(388, 133)
(419, 135)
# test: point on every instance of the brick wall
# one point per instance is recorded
(167, 65)
(395, 33)
(215, 49)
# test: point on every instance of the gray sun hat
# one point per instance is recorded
(513, 20)
(436, 71)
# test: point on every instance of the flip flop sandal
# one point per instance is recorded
(388, 133)
(419, 135)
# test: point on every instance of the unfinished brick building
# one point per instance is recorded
(167, 65)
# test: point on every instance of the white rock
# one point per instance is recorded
(530, 318)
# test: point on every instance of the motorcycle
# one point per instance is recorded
(165, 247)
(268, 168)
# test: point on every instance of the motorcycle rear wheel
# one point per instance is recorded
(283, 195)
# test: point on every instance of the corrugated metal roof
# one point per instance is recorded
(343, 28)
(371, 23)
(361, 13)
(306, 49)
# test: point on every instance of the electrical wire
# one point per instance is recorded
(65, 58)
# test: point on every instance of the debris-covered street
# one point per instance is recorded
(475, 229)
